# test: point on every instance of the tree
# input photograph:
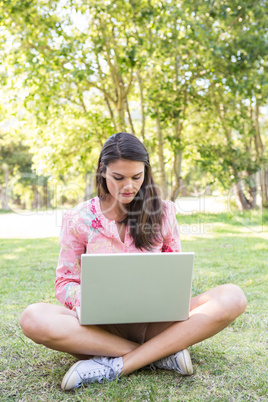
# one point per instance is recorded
(233, 89)
(15, 163)
(89, 69)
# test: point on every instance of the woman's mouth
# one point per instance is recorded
(127, 194)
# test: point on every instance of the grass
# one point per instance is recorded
(5, 211)
(231, 366)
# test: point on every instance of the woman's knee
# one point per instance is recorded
(33, 322)
(240, 299)
(232, 301)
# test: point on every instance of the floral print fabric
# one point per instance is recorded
(86, 230)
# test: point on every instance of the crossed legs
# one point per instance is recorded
(58, 328)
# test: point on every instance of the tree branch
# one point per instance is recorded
(125, 93)
(92, 85)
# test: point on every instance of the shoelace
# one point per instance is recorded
(166, 362)
(104, 373)
(169, 363)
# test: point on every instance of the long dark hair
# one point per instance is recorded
(144, 213)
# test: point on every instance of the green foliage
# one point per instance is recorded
(84, 70)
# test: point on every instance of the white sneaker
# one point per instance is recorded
(179, 362)
(92, 370)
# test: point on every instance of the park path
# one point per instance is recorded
(31, 225)
(41, 224)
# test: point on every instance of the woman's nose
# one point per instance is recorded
(128, 184)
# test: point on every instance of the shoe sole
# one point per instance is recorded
(185, 362)
(67, 376)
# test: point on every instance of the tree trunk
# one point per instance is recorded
(163, 182)
(257, 125)
(226, 128)
(46, 195)
(264, 185)
(3, 190)
(177, 161)
(120, 91)
(130, 118)
(3, 198)
(253, 191)
(105, 95)
(35, 203)
(178, 152)
(121, 116)
(111, 112)
(265, 171)
(177, 174)
(241, 196)
(142, 105)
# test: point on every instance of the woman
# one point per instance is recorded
(117, 220)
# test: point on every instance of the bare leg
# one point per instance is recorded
(210, 313)
(58, 328)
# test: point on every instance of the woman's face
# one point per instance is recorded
(124, 179)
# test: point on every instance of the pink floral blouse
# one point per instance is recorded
(86, 230)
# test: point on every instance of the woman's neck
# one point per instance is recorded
(112, 209)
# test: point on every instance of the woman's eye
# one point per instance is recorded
(121, 178)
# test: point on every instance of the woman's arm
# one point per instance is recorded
(73, 241)
(170, 229)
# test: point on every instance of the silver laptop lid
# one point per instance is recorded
(140, 287)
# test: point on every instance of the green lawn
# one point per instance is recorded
(228, 367)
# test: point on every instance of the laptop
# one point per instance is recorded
(135, 287)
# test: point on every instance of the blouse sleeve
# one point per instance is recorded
(171, 236)
(73, 243)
